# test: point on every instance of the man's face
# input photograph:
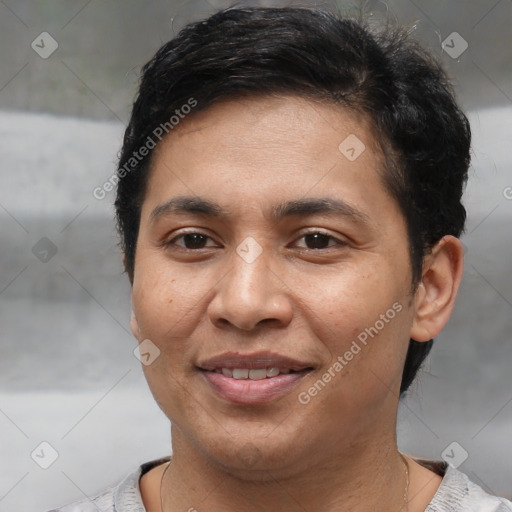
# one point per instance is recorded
(263, 286)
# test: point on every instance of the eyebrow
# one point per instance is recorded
(296, 207)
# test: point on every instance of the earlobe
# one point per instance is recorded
(134, 324)
(130, 274)
(435, 296)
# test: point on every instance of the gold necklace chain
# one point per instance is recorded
(406, 490)
(161, 485)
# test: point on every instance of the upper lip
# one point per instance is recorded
(254, 361)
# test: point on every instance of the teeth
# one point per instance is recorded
(240, 373)
(253, 374)
(258, 374)
(272, 372)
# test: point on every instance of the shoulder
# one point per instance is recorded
(122, 497)
(103, 501)
(457, 493)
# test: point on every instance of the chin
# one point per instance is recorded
(251, 453)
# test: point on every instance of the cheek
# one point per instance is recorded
(167, 302)
(363, 318)
(374, 356)
(347, 300)
(163, 300)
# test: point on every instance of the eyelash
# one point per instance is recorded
(171, 243)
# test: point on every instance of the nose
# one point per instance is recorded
(251, 294)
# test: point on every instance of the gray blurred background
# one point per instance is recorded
(68, 376)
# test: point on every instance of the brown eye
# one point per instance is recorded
(192, 240)
(319, 240)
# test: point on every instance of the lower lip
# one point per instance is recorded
(247, 391)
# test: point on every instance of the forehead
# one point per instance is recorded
(261, 148)
(274, 122)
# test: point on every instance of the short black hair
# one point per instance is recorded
(320, 55)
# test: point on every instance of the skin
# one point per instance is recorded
(338, 452)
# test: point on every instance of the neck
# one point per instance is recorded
(368, 476)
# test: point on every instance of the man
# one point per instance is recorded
(289, 204)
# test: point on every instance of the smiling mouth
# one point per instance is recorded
(255, 373)
(252, 379)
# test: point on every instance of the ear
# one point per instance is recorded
(134, 324)
(435, 297)
(123, 259)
